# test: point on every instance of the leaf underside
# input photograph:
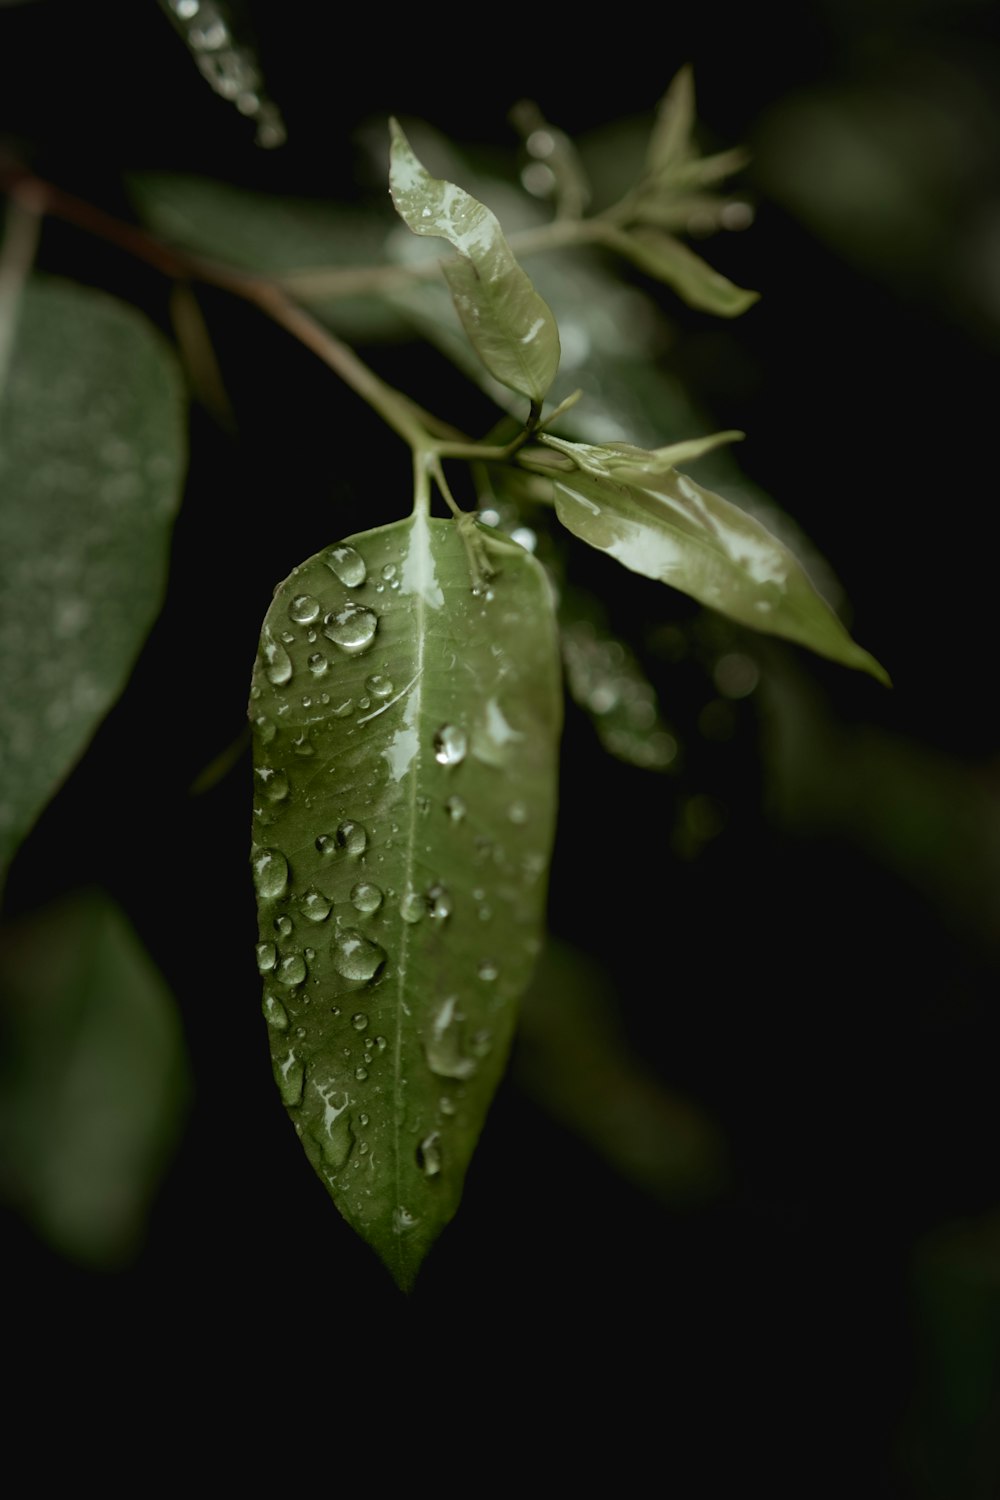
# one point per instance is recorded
(405, 752)
(92, 457)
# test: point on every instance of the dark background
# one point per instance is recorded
(819, 978)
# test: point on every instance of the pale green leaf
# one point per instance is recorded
(608, 459)
(405, 748)
(670, 142)
(94, 1084)
(693, 279)
(512, 329)
(665, 526)
(92, 456)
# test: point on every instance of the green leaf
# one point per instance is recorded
(92, 457)
(405, 748)
(665, 526)
(670, 143)
(271, 235)
(693, 279)
(512, 329)
(94, 1085)
(609, 459)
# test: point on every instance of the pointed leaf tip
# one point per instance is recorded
(508, 324)
(405, 754)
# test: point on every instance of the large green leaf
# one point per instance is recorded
(405, 746)
(664, 525)
(512, 329)
(92, 457)
(94, 1083)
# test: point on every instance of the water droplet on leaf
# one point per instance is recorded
(275, 1013)
(355, 957)
(450, 745)
(304, 609)
(429, 1154)
(270, 873)
(267, 957)
(292, 970)
(315, 906)
(348, 565)
(366, 897)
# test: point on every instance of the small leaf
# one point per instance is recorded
(95, 1085)
(670, 141)
(405, 748)
(512, 329)
(665, 526)
(693, 279)
(92, 457)
(608, 459)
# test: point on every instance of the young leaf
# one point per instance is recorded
(92, 457)
(665, 526)
(95, 1081)
(511, 328)
(670, 141)
(693, 279)
(405, 747)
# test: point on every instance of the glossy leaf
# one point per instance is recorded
(693, 279)
(92, 456)
(511, 328)
(668, 527)
(405, 746)
(94, 1085)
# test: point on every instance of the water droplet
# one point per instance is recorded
(304, 609)
(412, 907)
(355, 957)
(306, 701)
(517, 813)
(290, 1076)
(352, 837)
(335, 1138)
(279, 664)
(438, 903)
(446, 1106)
(303, 745)
(359, 1021)
(487, 970)
(314, 905)
(481, 1043)
(270, 873)
(455, 808)
(265, 729)
(442, 1045)
(429, 1154)
(275, 1013)
(348, 565)
(326, 844)
(450, 745)
(283, 926)
(292, 970)
(389, 571)
(342, 710)
(275, 785)
(361, 1074)
(366, 897)
(318, 664)
(381, 1043)
(352, 627)
(363, 1119)
(379, 686)
(267, 957)
(403, 1221)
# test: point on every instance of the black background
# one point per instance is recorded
(839, 1025)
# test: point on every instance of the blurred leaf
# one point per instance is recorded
(268, 235)
(94, 1082)
(610, 459)
(670, 143)
(92, 456)
(693, 279)
(511, 328)
(665, 526)
(572, 1057)
(555, 153)
(406, 738)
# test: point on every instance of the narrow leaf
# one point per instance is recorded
(607, 459)
(94, 1085)
(693, 279)
(405, 746)
(670, 141)
(512, 329)
(92, 458)
(665, 526)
